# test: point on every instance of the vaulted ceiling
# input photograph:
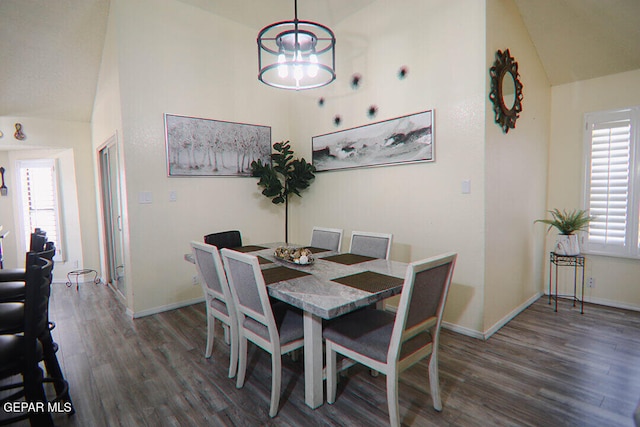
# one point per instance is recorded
(50, 50)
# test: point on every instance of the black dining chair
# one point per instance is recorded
(12, 312)
(21, 352)
(224, 239)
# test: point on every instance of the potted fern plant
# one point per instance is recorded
(287, 175)
(567, 223)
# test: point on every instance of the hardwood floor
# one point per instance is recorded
(542, 369)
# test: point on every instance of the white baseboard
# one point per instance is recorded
(506, 319)
(164, 308)
(462, 330)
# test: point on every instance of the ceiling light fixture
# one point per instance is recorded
(296, 54)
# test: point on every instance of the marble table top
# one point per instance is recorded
(318, 294)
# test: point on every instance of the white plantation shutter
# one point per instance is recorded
(610, 183)
(39, 194)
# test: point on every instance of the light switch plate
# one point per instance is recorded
(145, 197)
(466, 186)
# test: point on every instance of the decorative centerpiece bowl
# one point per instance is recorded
(299, 256)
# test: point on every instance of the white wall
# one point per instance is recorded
(516, 169)
(178, 59)
(442, 44)
(69, 143)
(616, 279)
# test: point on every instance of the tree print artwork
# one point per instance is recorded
(204, 147)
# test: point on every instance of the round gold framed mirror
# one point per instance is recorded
(506, 91)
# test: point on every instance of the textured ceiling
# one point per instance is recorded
(50, 56)
(50, 50)
(583, 39)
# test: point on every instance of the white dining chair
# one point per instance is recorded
(390, 344)
(326, 238)
(376, 245)
(276, 328)
(219, 301)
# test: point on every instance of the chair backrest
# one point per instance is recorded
(249, 290)
(377, 245)
(326, 238)
(211, 271)
(424, 295)
(37, 291)
(224, 239)
(38, 241)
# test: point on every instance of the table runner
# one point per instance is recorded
(277, 274)
(348, 259)
(370, 281)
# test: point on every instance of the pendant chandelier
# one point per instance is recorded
(296, 54)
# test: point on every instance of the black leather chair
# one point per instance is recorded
(38, 242)
(12, 282)
(20, 353)
(12, 314)
(224, 239)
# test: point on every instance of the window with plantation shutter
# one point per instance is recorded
(612, 182)
(39, 200)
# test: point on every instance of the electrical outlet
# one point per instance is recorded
(591, 283)
(195, 280)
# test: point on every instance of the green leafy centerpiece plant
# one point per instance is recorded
(286, 175)
(567, 223)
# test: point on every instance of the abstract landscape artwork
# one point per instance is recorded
(204, 147)
(406, 139)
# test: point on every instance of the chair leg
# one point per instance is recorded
(331, 373)
(34, 392)
(211, 329)
(242, 361)
(227, 338)
(276, 380)
(392, 398)
(434, 382)
(233, 353)
(53, 369)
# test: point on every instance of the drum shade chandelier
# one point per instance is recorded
(296, 54)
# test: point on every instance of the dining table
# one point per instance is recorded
(330, 285)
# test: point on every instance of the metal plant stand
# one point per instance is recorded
(575, 261)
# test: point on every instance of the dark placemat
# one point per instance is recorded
(249, 248)
(264, 261)
(348, 259)
(315, 250)
(277, 274)
(370, 281)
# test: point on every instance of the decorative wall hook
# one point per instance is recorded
(402, 72)
(372, 111)
(19, 135)
(356, 79)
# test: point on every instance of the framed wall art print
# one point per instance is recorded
(406, 139)
(205, 147)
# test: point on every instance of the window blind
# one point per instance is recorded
(609, 182)
(40, 200)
